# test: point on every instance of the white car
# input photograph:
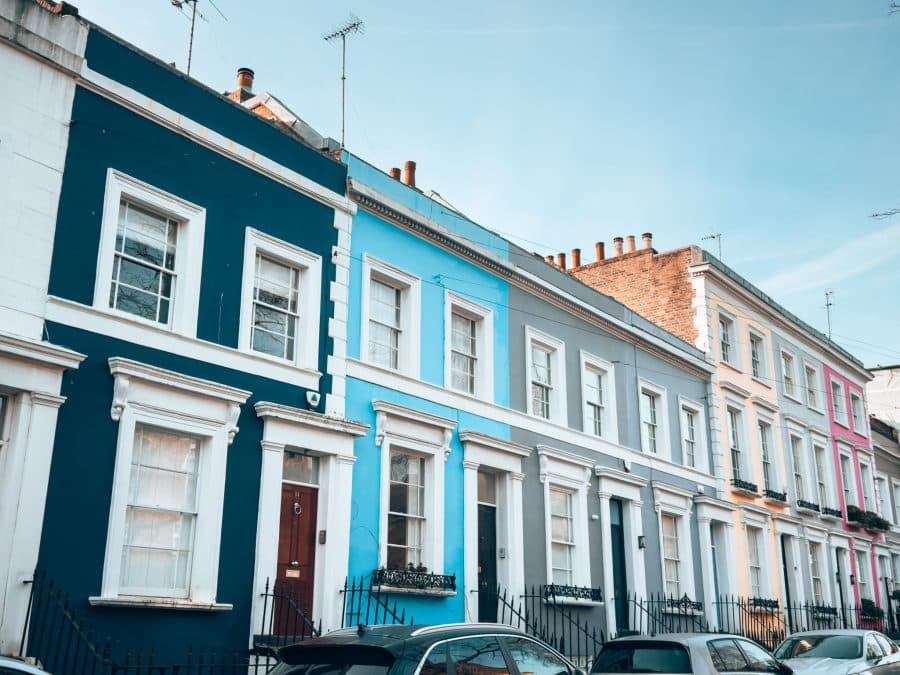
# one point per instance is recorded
(10, 666)
(840, 652)
(678, 653)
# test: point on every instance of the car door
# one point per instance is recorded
(874, 654)
(890, 662)
(737, 656)
(533, 658)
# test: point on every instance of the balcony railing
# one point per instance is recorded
(414, 578)
(810, 506)
(773, 494)
(828, 511)
(575, 592)
(744, 485)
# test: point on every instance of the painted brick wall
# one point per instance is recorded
(656, 286)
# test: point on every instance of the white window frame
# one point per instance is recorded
(826, 479)
(148, 395)
(842, 418)
(895, 499)
(409, 344)
(793, 373)
(572, 473)
(756, 533)
(558, 396)
(868, 486)
(775, 482)
(188, 253)
(798, 465)
(815, 386)
(823, 572)
(861, 427)
(734, 351)
(763, 364)
(701, 449)
(883, 497)
(863, 574)
(663, 439)
(607, 371)
(845, 492)
(744, 471)
(484, 344)
(759, 520)
(306, 345)
(672, 501)
(428, 436)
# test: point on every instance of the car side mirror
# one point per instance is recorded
(785, 669)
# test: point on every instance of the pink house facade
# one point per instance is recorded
(857, 570)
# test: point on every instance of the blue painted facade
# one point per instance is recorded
(105, 134)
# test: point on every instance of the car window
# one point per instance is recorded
(873, 649)
(476, 656)
(436, 661)
(820, 647)
(633, 656)
(727, 656)
(333, 660)
(886, 645)
(530, 657)
(758, 659)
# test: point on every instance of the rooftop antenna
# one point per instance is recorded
(352, 25)
(828, 303)
(718, 237)
(179, 4)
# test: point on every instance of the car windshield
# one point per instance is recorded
(821, 647)
(642, 657)
(333, 660)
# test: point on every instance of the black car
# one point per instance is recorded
(457, 649)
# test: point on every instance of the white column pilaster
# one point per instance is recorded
(706, 570)
(334, 554)
(470, 539)
(268, 521)
(639, 582)
(606, 549)
(516, 552)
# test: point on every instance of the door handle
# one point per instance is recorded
(297, 509)
(295, 563)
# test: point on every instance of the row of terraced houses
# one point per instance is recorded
(254, 388)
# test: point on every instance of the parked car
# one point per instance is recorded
(840, 652)
(11, 666)
(463, 649)
(677, 653)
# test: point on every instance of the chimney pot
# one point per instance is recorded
(409, 173)
(548, 259)
(576, 257)
(617, 245)
(600, 250)
(629, 243)
(395, 172)
(245, 78)
(561, 260)
(648, 240)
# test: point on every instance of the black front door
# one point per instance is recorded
(620, 575)
(487, 562)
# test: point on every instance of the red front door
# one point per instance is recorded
(296, 558)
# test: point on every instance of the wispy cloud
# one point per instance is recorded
(850, 260)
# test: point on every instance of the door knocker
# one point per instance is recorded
(297, 509)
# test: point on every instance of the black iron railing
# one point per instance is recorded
(552, 591)
(286, 619)
(811, 506)
(665, 614)
(745, 485)
(754, 618)
(828, 511)
(773, 494)
(414, 578)
(365, 604)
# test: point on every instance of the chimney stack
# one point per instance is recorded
(245, 79)
(629, 241)
(600, 250)
(561, 260)
(617, 245)
(576, 257)
(548, 259)
(409, 173)
(395, 172)
(648, 240)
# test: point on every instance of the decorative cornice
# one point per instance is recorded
(119, 366)
(47, 400)
(608, 474)
(38, 352)
(386, 409)
(727, 385)
(494, 443)
(761, 402)
(308, 418)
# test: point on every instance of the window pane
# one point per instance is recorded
(530, 657)
(300, 468)
(642, 657)
(477, 656)
(385, 304)
(487, 487)
(728, 656)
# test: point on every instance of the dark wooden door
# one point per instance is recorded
(487, 563)
(620, 573)
(296, 558)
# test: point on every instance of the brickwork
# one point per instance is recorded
(655, 285)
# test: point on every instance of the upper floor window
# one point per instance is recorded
(815, 572)
(391, 316)
(545, 358)
(882, 494)
(755, 561)
(856, 409)
(838, 403)
(757, 356)
(281, 299)
(788, 376)
(689, 434)
(822, 475)
(797, 462)
(865, 475)
(734, 441)
(150, 258)
(469, 340)
(847, 480)
(727, 345)
(654, 419)
(765, 441)
(599, 396)
(812, 386)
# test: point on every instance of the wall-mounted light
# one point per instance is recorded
(641, 541)
(852, 579)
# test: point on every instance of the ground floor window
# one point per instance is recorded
(406, 511)
(671, 556)
(562, 541)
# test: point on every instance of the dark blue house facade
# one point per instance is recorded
(200, 265)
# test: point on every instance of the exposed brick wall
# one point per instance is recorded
(655, 285)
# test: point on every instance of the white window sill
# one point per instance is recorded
(761, 380)
(815, 409)
(793, 398)
(423, 592)
(844, 424)
(731, 366)
(159, 603)
(573, 602)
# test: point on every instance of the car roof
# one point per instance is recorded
(681, 638)
(859, 632)
(19, 664)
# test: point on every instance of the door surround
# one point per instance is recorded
(331, 439)
(503, 458)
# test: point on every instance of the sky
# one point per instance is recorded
(559, 124)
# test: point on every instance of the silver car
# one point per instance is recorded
(840, 652)
(12, 666)
(678, 653)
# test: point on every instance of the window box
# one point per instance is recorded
(809, 506)
(873, 522)
(555, 591)
(823, 611)
(895, 594)
(414, 579)
(854, 514)
(870, 610)
(775, 496)
(745, 486)
(828, 512)
(763, 605)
